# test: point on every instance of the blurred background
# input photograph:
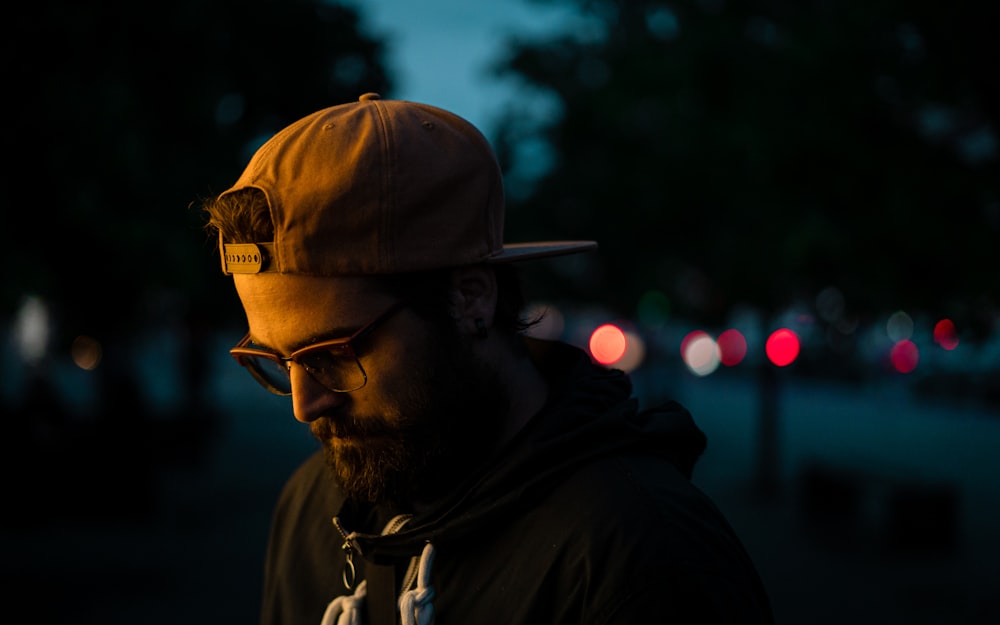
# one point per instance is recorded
(798, 207)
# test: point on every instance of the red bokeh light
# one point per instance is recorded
(945, 334)
(732, 347)
(607, 344)
(904, 356)
(782, 347)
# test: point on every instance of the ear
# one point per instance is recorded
(473, 296)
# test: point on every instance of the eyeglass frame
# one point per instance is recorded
(345, 344)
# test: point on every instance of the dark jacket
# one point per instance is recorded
(587, 516)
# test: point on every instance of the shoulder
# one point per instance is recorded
(310, 476)
(656, 543)
(308, 497)
(310, 492)
(304, 559)
(641, 496)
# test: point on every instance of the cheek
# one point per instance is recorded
(395, 378)
(407, 377)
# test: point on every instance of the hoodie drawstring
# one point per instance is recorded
(346, 609)
(416, 606)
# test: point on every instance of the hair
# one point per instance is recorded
(244, 216)
(428, 292)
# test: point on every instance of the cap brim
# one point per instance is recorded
(513, 252)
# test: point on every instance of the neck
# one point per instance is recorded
(526, 387)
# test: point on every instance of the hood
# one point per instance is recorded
(590, 413)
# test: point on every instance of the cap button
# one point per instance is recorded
(369, 96)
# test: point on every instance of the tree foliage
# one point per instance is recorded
(757, 153)
(120, 115)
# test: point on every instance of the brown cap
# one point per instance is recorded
(380, 187)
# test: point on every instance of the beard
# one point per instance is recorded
(443, 422)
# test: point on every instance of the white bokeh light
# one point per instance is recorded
(701, 353)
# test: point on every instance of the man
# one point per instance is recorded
(468, 473)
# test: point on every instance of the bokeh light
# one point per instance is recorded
(904, 356)
(635, 352)
(830, 304)
(782, 347)
(32, 328)
(607, 344)
(732, 347)
(700, 353)
(899, 327)
(86, 352)
(945, 334)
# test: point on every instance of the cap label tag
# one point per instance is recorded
(245, 257)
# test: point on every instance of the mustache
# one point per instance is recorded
(344, 426)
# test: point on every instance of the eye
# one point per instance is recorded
(315, 360)
(327, 358)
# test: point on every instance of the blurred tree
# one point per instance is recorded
(759, 152)
(118, 117)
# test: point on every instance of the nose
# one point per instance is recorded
(310, 399)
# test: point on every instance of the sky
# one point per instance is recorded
(439, 51)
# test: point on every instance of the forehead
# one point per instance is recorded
(285, 310)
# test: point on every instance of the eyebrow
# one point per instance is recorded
(335, 333)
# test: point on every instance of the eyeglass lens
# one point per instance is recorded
(335, 369)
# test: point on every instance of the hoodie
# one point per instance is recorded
(587, 515)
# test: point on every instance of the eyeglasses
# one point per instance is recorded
(333, 363)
